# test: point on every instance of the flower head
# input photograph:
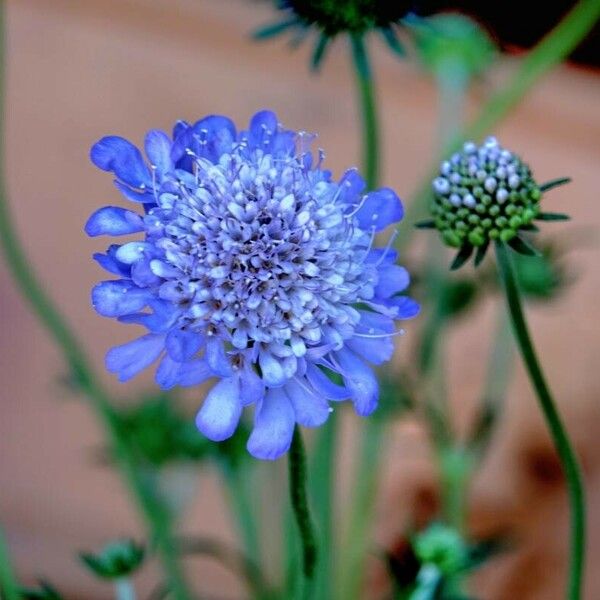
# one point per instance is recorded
(486, 193)
(331, 18)
(256, 268)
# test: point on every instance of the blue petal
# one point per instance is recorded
(182, 345)
(392, 279)
(252, 386)
(385, 256)
(158, 150)
(380, 208)
(116, 154)
(116, 298)
(323, 385)
(146, 197)
(216, 357)
(221, 411)
(272, 371)
(159, 321)
(113, 220)
(262, 127)
(109, 262)
(194, 372)
(351, 186)
(310, 408)
(131, 358)
(142, 274)
(274, 423)
(179, 127)
(407, 307)
(214, 136)
(361, 382)
(375, 351)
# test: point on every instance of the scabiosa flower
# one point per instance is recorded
(485, 193)
(256, 268)
(334, 17)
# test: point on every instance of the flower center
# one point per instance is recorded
(260, 249)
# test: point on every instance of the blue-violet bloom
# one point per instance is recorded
(256, 268)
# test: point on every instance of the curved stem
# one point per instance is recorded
(370, 124)
(156, 514)
(553, 420)
(299, 498)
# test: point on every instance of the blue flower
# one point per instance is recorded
(256, 268)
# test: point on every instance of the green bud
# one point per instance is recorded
(116, 560)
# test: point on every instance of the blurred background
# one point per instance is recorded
(80, 70)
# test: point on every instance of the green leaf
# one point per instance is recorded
(518, 244)
(44, 592)
(480, 254)
(427, 224)
(319, 52)
(462, 257)
(548, 216)
(391, 39)
(273, 30)
(554, 183)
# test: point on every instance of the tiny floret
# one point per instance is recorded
(256, 270)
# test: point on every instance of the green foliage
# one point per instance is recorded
(157, 434)
(452, 39)
(45, 591)
(116, 560)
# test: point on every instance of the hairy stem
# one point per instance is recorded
(559, 435)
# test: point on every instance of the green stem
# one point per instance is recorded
(157, 517)
(8, 582)
(561, 441)
(322, 487)
(364, 80)
(124, 589)
(299, 498)
(553, 48)
(366, 481)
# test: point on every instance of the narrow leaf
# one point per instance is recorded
(530, 227)
(554, 183)
(319, 52)
(391, 39)
(427, 224)
(480, 254)
(462, 257)
(552, 217)
(270, 31)
(518, 244)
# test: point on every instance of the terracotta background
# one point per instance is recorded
(79, 70)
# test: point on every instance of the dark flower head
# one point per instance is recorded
(353, 16)
(486, 193)
(330, 18)
(256, 267)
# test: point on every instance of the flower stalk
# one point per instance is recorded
(299, 499)
(559, 435)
